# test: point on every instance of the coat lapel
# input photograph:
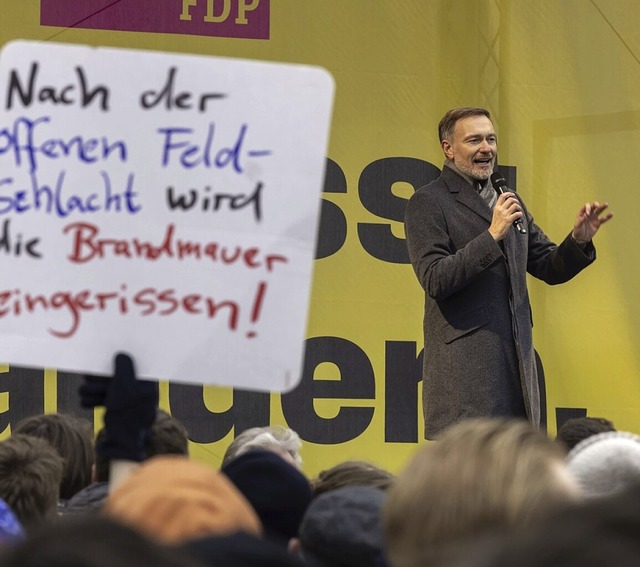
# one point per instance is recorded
(465, 194)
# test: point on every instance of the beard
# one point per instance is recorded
(475, 171)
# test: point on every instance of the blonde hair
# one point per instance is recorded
(481, 476)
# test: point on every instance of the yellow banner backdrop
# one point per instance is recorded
(561, 81)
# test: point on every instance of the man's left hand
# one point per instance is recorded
(588, 221)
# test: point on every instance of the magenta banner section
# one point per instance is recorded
(247, 19)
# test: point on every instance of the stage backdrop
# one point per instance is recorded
(561, 80)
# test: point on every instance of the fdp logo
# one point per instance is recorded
(243, 10)
(248, 19)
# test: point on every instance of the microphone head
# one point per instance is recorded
(497, 180)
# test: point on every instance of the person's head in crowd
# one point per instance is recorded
(92, 542)
(240, 549)
(278, 491)
(576, 429)
(72, 437)
(168, 436)
(352, 473)
(342, 527)
(483, 476)
(30, 474)
(600, 532)
(174, 499)
(606, 463)
(281, 440)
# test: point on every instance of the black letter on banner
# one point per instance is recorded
(375, 192)
(68, 397)
(249, 409)
(357, 382)
(403, 373)
(333, 224)
(25, 387)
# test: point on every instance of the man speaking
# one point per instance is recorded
(471, 247)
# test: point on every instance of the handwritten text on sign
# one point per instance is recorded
(161, 204)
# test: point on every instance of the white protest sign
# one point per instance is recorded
(159, 204)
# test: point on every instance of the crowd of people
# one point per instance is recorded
(490, 492)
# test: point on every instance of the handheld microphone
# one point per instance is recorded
(500, 185)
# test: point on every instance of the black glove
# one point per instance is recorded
(131, 406)
(93, 392)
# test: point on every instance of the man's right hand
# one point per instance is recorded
(506, 211)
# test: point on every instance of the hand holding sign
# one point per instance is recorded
(130, 409)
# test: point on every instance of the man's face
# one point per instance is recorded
(473, 147)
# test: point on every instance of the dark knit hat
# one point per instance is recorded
(344, 527)
(278, 491)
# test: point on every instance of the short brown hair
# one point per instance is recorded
(30, 473)
(448, 122)
(72, 437)
(577, 429)
(352, 473)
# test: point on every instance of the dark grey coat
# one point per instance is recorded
(478, 358)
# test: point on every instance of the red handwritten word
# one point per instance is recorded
(87, 244)
(144, 302)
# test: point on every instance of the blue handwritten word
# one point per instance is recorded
(55, 200)
(192, 154)
(26, 145)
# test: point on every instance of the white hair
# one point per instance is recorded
(274, 438)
